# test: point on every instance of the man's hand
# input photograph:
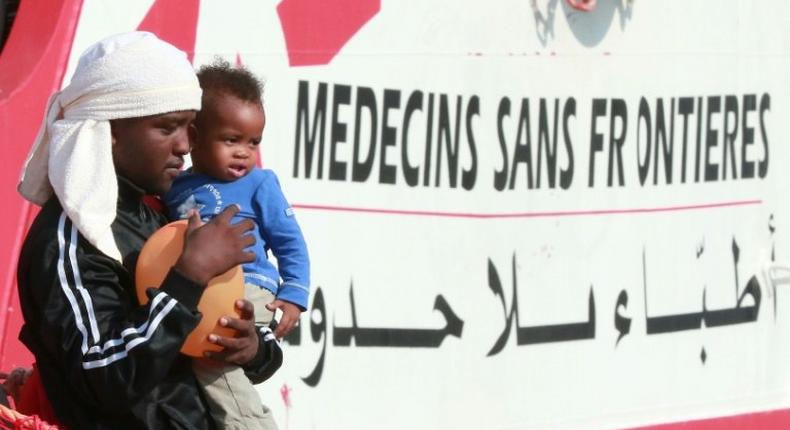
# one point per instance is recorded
(241, 349)
(213, 248)
(289, 319)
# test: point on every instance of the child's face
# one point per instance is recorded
(227, 137)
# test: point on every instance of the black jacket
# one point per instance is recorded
(105, 361)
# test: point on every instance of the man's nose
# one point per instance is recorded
(181, 143)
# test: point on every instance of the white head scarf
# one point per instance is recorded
(128, 75)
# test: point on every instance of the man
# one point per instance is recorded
(116, 133)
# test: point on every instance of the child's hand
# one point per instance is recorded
(289, 319)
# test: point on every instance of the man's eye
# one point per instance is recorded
(167, 130)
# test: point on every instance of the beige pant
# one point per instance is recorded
(233, 401)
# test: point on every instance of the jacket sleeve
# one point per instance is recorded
(284, 237)
(112, 350)
(268, 359)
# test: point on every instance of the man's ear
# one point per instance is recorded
(113, 131)
(192, 133)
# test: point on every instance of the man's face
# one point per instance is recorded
(149, 151)
(228, 134)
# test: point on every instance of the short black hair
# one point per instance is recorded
(220, 77)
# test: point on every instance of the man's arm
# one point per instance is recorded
(113, 351)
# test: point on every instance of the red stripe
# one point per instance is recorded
(536, 214)
(769, 420)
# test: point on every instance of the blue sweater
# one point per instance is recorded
(261, 200)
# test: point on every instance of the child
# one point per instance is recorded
(225, 139)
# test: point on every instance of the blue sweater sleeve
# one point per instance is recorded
(284, 237)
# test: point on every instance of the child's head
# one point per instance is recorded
(229, 125)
